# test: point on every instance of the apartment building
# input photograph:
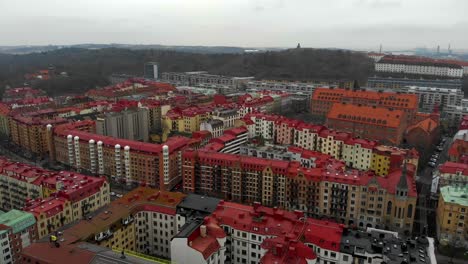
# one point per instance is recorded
(431, 97)
(129, 123)
(295, 87)
(227, 116)
(4, 123)
(20, 182)
(369, 122)
(186, 120)
(156, 111)
(51, 214)
(452, 220)
(256, 234)
(386, 159)
(202, 78)
(29, 130)
(215, 126)
(356, 197)
(455, 113)
(418, 66)
(397, 83)
(17, 231)
(357, 153)
(240, 234)
(324, 99)
(451, 174)
(126, 160)
(230, 142)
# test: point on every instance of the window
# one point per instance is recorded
(410, 211)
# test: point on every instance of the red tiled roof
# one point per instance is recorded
(385, 99)
(453, 168)
(376, 116)
(49, 206)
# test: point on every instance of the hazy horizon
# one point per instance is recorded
(348, 24)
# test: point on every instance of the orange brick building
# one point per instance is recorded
(324, 98)
(370, 122)
(29, 131)
(77, 146)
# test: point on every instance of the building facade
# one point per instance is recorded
(374, 123)
(397, 83)
(129, 124)
(452, 209)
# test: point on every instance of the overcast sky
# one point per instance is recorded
(261, 23)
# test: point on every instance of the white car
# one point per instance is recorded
(112, 193)
(431, 164)
(119, 195)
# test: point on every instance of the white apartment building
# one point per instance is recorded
(154, 231)
(357, 153)
(5, 248)
(435, 69)
(227, 116)
(429, 97)
(202, 78)
(215, 127)
(454, 113)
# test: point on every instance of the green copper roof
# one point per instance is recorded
(17, 220)
(455, 194)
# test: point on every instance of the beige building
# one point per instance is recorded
(452, 216)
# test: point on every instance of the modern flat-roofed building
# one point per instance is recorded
(151, 70)
(431, 97)
(129, 124)
(397, 83)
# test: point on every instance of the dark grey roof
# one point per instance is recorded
(187, 229)
(106, 256)
(395, 250)
(198, 203)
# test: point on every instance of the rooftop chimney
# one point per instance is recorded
(203, 230)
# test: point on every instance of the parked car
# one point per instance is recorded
(112, 193)
(433, 160)
(431, 164)
(119, 195)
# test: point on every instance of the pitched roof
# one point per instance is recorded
(376, 116)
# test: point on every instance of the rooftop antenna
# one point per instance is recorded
(380, 50)
(438, 49)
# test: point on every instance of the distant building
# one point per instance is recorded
(203, 79)
(396, 83)
(120, 78)
(323, 99)
(418, 66)
(151, 70)
(127, 124)
(430, 97)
